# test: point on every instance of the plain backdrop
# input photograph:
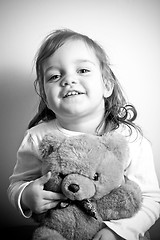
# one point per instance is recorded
(129, 31)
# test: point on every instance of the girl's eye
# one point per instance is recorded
(83, 70)
(54, 78)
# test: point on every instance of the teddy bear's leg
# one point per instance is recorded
(45, 233)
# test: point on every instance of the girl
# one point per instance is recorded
(80, 94)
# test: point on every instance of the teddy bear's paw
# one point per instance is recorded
(45, 233)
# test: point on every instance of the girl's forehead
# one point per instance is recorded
(74, 50)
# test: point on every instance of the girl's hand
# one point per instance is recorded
(35, 198)
(106, 234)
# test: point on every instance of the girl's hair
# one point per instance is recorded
(116, 108)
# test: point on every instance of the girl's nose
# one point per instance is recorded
(69, 80)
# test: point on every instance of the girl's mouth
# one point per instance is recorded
(72, 93)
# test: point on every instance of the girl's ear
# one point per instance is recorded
(108, 88)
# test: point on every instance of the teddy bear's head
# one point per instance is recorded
(84, 166)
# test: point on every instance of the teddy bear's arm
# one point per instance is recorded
(122, 202)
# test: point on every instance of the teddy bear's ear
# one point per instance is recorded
(50, 144)
(116, 143)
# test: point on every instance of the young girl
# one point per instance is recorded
(80, 94)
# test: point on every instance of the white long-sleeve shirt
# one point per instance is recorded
(140, 169)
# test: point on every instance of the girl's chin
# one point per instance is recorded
(73, 112)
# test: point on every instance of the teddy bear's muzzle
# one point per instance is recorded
(77, 187)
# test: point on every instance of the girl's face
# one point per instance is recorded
(73, 82)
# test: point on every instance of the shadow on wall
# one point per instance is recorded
(18, 103)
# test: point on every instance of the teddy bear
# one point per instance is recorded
(89, 171)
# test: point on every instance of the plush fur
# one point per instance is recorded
(89, 171)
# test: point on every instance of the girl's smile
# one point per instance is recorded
(71, 93)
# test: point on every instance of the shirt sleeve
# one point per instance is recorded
(141, 170)
(27, 168)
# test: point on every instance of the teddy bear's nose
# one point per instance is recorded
(73, 188)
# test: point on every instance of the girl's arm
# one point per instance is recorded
(141, 170)
(26, 190)
(27, 169)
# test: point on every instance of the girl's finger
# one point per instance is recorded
(53, 196)
(50, 205)
(44, 179)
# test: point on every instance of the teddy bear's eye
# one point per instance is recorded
(61, 175)
(95, 177)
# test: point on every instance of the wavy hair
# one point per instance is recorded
(117, 110)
